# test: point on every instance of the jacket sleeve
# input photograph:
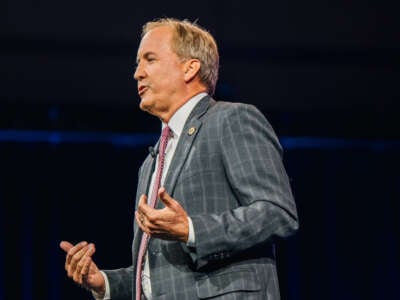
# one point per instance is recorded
(252, 158)
(121, 281)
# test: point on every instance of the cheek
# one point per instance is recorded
(165, 77)
(173, 70)
(168, 81)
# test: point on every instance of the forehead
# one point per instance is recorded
(157, 40)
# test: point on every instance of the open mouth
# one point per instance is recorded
(142, 89)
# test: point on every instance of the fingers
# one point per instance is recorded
(82, 271)
(80, 266)
(140, 221)
(169, 223)
(66, 246)
(70, 254)
(83, 265)
(141, 211)
(148, 215)
(145, 216)
(145, 213)
(77, 262)
(143, 207)
(142, 200)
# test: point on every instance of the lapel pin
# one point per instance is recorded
(191, 130)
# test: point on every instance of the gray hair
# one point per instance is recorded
(192, 41)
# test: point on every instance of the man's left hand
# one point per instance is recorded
(169, 223)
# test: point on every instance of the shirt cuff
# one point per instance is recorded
(191, 238)
(107, 292)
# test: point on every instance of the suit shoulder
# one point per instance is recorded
(225, 108)
(237, 111)
(247, 116)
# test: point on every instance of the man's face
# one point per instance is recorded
(159, 73)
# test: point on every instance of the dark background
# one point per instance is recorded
(325, 74)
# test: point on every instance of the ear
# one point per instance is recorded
(191, 69)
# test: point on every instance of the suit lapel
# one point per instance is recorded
(145, 176)
(188, 135)
(142, 188)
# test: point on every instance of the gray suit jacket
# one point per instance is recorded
(229, 177)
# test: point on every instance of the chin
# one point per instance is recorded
(144, 104)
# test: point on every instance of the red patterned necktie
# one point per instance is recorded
(145, 238)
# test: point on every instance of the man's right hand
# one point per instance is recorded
(81, 268)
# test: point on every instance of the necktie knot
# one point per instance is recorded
(166, 132)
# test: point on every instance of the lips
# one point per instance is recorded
(142, 89)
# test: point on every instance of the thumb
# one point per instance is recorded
(166, 198)
(66, 246)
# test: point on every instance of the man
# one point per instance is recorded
(224, 198)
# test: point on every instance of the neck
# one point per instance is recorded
(167, 115)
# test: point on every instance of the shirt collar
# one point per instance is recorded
(179, 118)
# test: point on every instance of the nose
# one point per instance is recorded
(139, 72)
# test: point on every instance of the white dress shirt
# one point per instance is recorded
(176, 124)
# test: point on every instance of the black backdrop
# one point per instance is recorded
(325, 73)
